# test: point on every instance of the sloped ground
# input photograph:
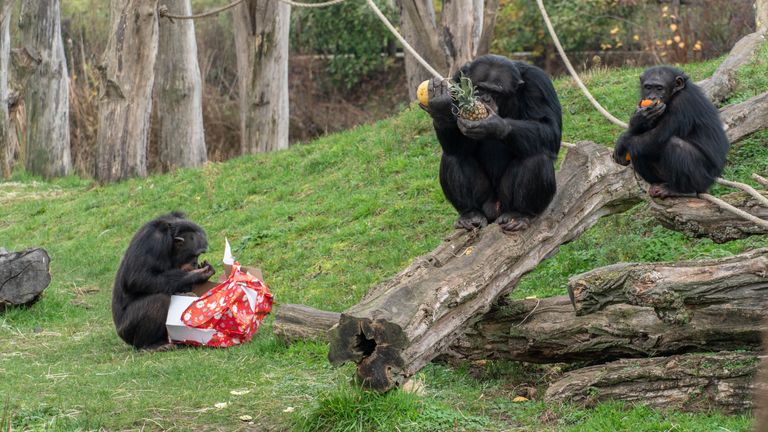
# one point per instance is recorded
(325, 221)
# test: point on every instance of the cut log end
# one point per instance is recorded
(375, 345)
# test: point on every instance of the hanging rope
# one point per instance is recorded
(572, 71)
(312, 5)
(163, 11)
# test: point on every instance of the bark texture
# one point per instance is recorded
(125, 94)
(6, 7)
(298, 322)
(699, 218)
(622, 315)
(261, 41)
(465, 32)
(722, 83)
(46, 98)
(743, 119)
(403, 323)
(179, 92)
(692, 382)
(23, 276)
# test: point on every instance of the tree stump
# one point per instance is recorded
(403, 323)
(691, 382)
(695, 217)
(23, 276)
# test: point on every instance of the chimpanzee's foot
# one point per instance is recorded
(511, 221)
(663, 191)
(162, 347)
(471, 220)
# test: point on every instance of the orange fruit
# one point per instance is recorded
(646, 103)
(422, 93)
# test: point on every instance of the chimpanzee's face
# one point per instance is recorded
(495, 83)
(661, 84)
(187, 248)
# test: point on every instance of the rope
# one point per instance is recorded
(163, 11)
(572, 71)
(724, 205)
(312, 5)
(399, 37)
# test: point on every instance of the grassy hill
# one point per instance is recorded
(325, 221)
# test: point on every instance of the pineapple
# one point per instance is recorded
(463, 94)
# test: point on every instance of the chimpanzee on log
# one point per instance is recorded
(676, 142)
(500, 168)
(160, 261)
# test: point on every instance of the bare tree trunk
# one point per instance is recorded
(125, 95)
(761, 15)
(179, 92)
(6, 7)
(691, 382)
(47, 93)
(261, 41)
(402, 324)
(464, 33)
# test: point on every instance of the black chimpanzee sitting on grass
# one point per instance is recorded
(161, 260)
(500, 168)
(677, 142)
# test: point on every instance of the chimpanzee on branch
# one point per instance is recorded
(500, 168)
(161, 260)
(677, 142)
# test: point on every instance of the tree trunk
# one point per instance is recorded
(23, 276)
(179, 92)
(745, 118)
(46, 98)
(761, 15)
(125, 94)
(6, 7)
(699, 218)
(401, 324)
(728, 313)
(464, 33)
(261, 41)
(691, 382)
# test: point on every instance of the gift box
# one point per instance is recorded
(226, 313)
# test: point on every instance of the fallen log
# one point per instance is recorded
(728, 313)
(696, 217)
(743, 119)
(721, 84)
(295, 322)
(403, 323)
(23, 276)
(676, 290)
(690, 382)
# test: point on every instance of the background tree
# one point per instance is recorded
(465, 32)
(46, 96)
(6, 6)
(178, 91)
(261, 43)
(125, 96)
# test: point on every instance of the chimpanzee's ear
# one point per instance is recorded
(680, 81)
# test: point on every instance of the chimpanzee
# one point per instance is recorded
(161, 260)
(500, 168)
(677, 143)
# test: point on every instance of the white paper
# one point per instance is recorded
(228, 258)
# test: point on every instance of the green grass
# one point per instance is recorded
(325, 221)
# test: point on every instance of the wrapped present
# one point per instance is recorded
(233, 310)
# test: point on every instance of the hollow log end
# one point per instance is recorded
(375, 346)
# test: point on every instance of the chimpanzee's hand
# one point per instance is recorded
(645, 119)
(204, 273)
(440, 102)
(621, 151)
(491, 127)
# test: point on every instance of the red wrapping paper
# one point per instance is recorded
(234, 309)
